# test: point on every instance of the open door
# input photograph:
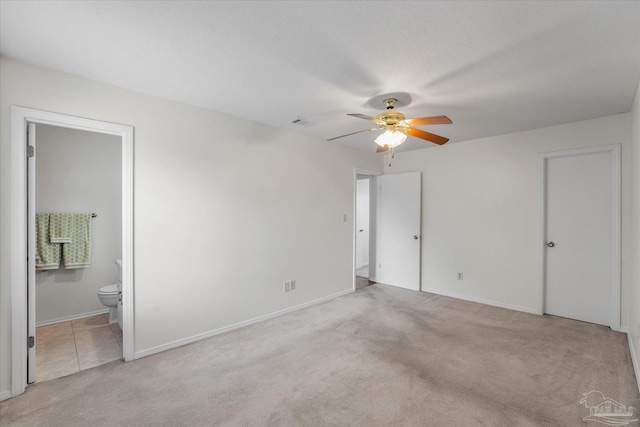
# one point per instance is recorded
(399, 224)
(31, 254)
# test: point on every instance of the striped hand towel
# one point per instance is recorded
(60, 227)
(47, 254)
(77, 253)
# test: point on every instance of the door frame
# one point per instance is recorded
(543, 158)
(372, 220)
(21, 117)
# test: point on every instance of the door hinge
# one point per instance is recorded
(31, 151)
(31, 342)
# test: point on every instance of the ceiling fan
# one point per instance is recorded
(396, 128)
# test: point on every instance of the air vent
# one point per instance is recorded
(301, 122)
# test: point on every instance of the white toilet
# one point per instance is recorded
(108, 295)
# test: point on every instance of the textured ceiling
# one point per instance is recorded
(492, 67)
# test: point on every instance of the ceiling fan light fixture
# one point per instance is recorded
(391, 138)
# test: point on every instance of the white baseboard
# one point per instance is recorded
(5, 395)
(73, 317)
(204, 335)
(483, 301)
(634, 359)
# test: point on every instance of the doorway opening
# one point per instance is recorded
(365, 229)
(23, 257)
(76, 176)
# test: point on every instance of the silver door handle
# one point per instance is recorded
(551, 244)
(415, 237)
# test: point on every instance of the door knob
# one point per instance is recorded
(415, 237)
(551, 244)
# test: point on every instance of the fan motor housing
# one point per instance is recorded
(391, 118)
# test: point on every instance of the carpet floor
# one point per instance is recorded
(381, 356)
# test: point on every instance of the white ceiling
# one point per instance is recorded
(492, 67)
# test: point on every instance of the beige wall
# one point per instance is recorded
(79, 172)
(225, 210)
(480, 210)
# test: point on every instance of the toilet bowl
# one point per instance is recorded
(108, 295)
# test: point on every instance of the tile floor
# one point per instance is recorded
(363, 271)
(69, 347)
(363, 282)
(362, 277)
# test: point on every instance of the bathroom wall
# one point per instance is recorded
(79, 172)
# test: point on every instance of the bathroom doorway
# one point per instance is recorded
(76, 172)
(24, 342)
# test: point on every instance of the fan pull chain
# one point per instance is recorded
(391, 155)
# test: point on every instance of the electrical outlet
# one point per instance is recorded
(459, 275)
(287, 286)
(293, 284)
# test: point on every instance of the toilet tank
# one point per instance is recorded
(119, 265)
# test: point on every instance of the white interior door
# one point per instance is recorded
(362, 222)
(398, 241)
(579, 231)
(31, 254)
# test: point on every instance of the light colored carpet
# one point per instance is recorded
(381, 356)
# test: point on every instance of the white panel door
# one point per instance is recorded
(578, 237)
(362, 222)
(31, 254)
(398, 241)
